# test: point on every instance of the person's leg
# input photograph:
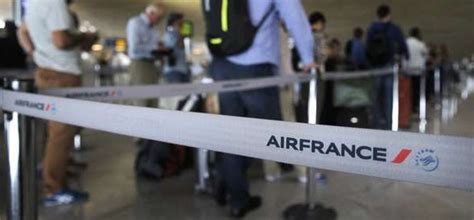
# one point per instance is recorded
(235, 180)
(143, 73)
(324, 102)
(377, 115)
(302, 106)
(286, 104)
(150, 77)
(388, 98)
(301, 173)
(135, 72)
(136, 79)
(58, 147)
(230, 178)
(60, 136)
(289, 115)
(173, 77)
(271, 170)
(264, 104)
(185, 78)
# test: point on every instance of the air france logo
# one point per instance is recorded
(232, 85)
(99, 94)
(427, 160)
(45, 107)
(341, 150)
(402, 156)
(424, 158)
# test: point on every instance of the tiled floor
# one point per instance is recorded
(117, 194)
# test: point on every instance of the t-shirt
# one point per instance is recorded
(418, 53)
(42, 18)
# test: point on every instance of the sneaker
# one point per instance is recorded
(303, 179)
(272, 178)
(65, 197)
(321, 178)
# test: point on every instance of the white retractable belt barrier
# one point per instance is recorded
(356, 74)
(156, 91)
(436, 160)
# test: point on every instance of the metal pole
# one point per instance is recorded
(422, 103)
(440, 91)
(395, 98)
(203, 171)
(437, 87)
(452, 98)
(12, 143)
(311, 210)
(312, 119)
(21, 162)
(438, 102)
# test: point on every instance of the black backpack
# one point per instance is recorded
(379, 48)
(229, 28)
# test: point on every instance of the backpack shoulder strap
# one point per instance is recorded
(267, 14)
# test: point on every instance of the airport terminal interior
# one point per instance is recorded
(107, 165)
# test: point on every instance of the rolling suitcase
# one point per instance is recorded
(406, 107)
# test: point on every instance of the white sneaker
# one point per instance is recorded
(272, 178)
(302, 179)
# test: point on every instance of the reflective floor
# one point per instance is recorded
(117, 194)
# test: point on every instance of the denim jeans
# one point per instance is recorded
(259, 103)
(382, 106)
(174, 77)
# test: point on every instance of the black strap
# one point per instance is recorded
(265, 17)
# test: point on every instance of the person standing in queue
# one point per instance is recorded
(55, 44)
(142, 39)
(386, 46)
(317, 20)
(318, 23)
(355, 50)
(176, 69)
(244, 42)
(416, 65)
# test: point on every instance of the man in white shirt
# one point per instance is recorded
(415, 65)
(418, 50)
(55, 44)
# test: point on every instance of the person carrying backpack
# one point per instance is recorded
(385, 46)
(243, 37)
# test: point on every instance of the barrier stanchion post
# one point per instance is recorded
(422, 103)
(438, 101)
(395, 97)
(21, 159)
(311, 210)
(312, 119)
(437, 87)
(444, 94)
(203, 171)
(77, 142)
